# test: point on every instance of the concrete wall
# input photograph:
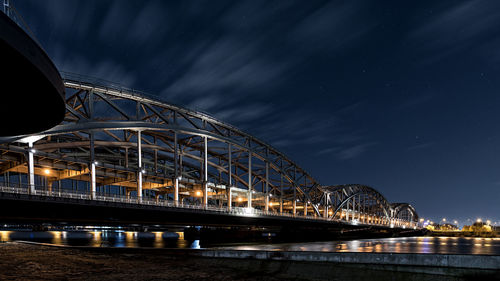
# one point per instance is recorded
(430, 260)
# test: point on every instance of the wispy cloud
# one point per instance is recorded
(347, 152)
(334, 26)
(456, 29)
(108, 70)
(421, 146)
(245, 113)
(227, 64)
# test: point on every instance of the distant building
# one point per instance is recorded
(443, 227)
(480, 229)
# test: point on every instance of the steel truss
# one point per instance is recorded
(116, 140)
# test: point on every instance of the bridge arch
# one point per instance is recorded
(359, 200)
(404, 211)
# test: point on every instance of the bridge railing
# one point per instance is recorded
(147, 201)
(42, 191)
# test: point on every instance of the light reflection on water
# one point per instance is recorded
(105, 238)
(423, 245)
(157, 239)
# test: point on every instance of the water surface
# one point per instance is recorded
(421, 245)
(164, 239)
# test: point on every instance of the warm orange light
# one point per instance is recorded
(240, 199)
(46, 171)
(198, 193)
(270, 203)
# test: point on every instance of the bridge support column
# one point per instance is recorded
(139, 167)
(205, 194)
(267, 185)
(229, 198)
(229, 166)
(176, 191)
(31, 169)
(92, 167)
(305, 208)
(176, 169)
(205, 172)
(92, 180)
(281, 191)
(294, 207)
(249, 196)
(325, 210)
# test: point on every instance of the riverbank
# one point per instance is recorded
(21, 261)
(459, 233)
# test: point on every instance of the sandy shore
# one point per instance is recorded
(34, 262)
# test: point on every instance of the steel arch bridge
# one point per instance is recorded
(117, 142)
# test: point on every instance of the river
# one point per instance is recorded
(423, 245)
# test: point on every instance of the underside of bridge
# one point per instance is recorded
(121, 143)
(30, 81)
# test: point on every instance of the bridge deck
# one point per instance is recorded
(53, 206)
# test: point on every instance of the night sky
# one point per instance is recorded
(398, 95)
